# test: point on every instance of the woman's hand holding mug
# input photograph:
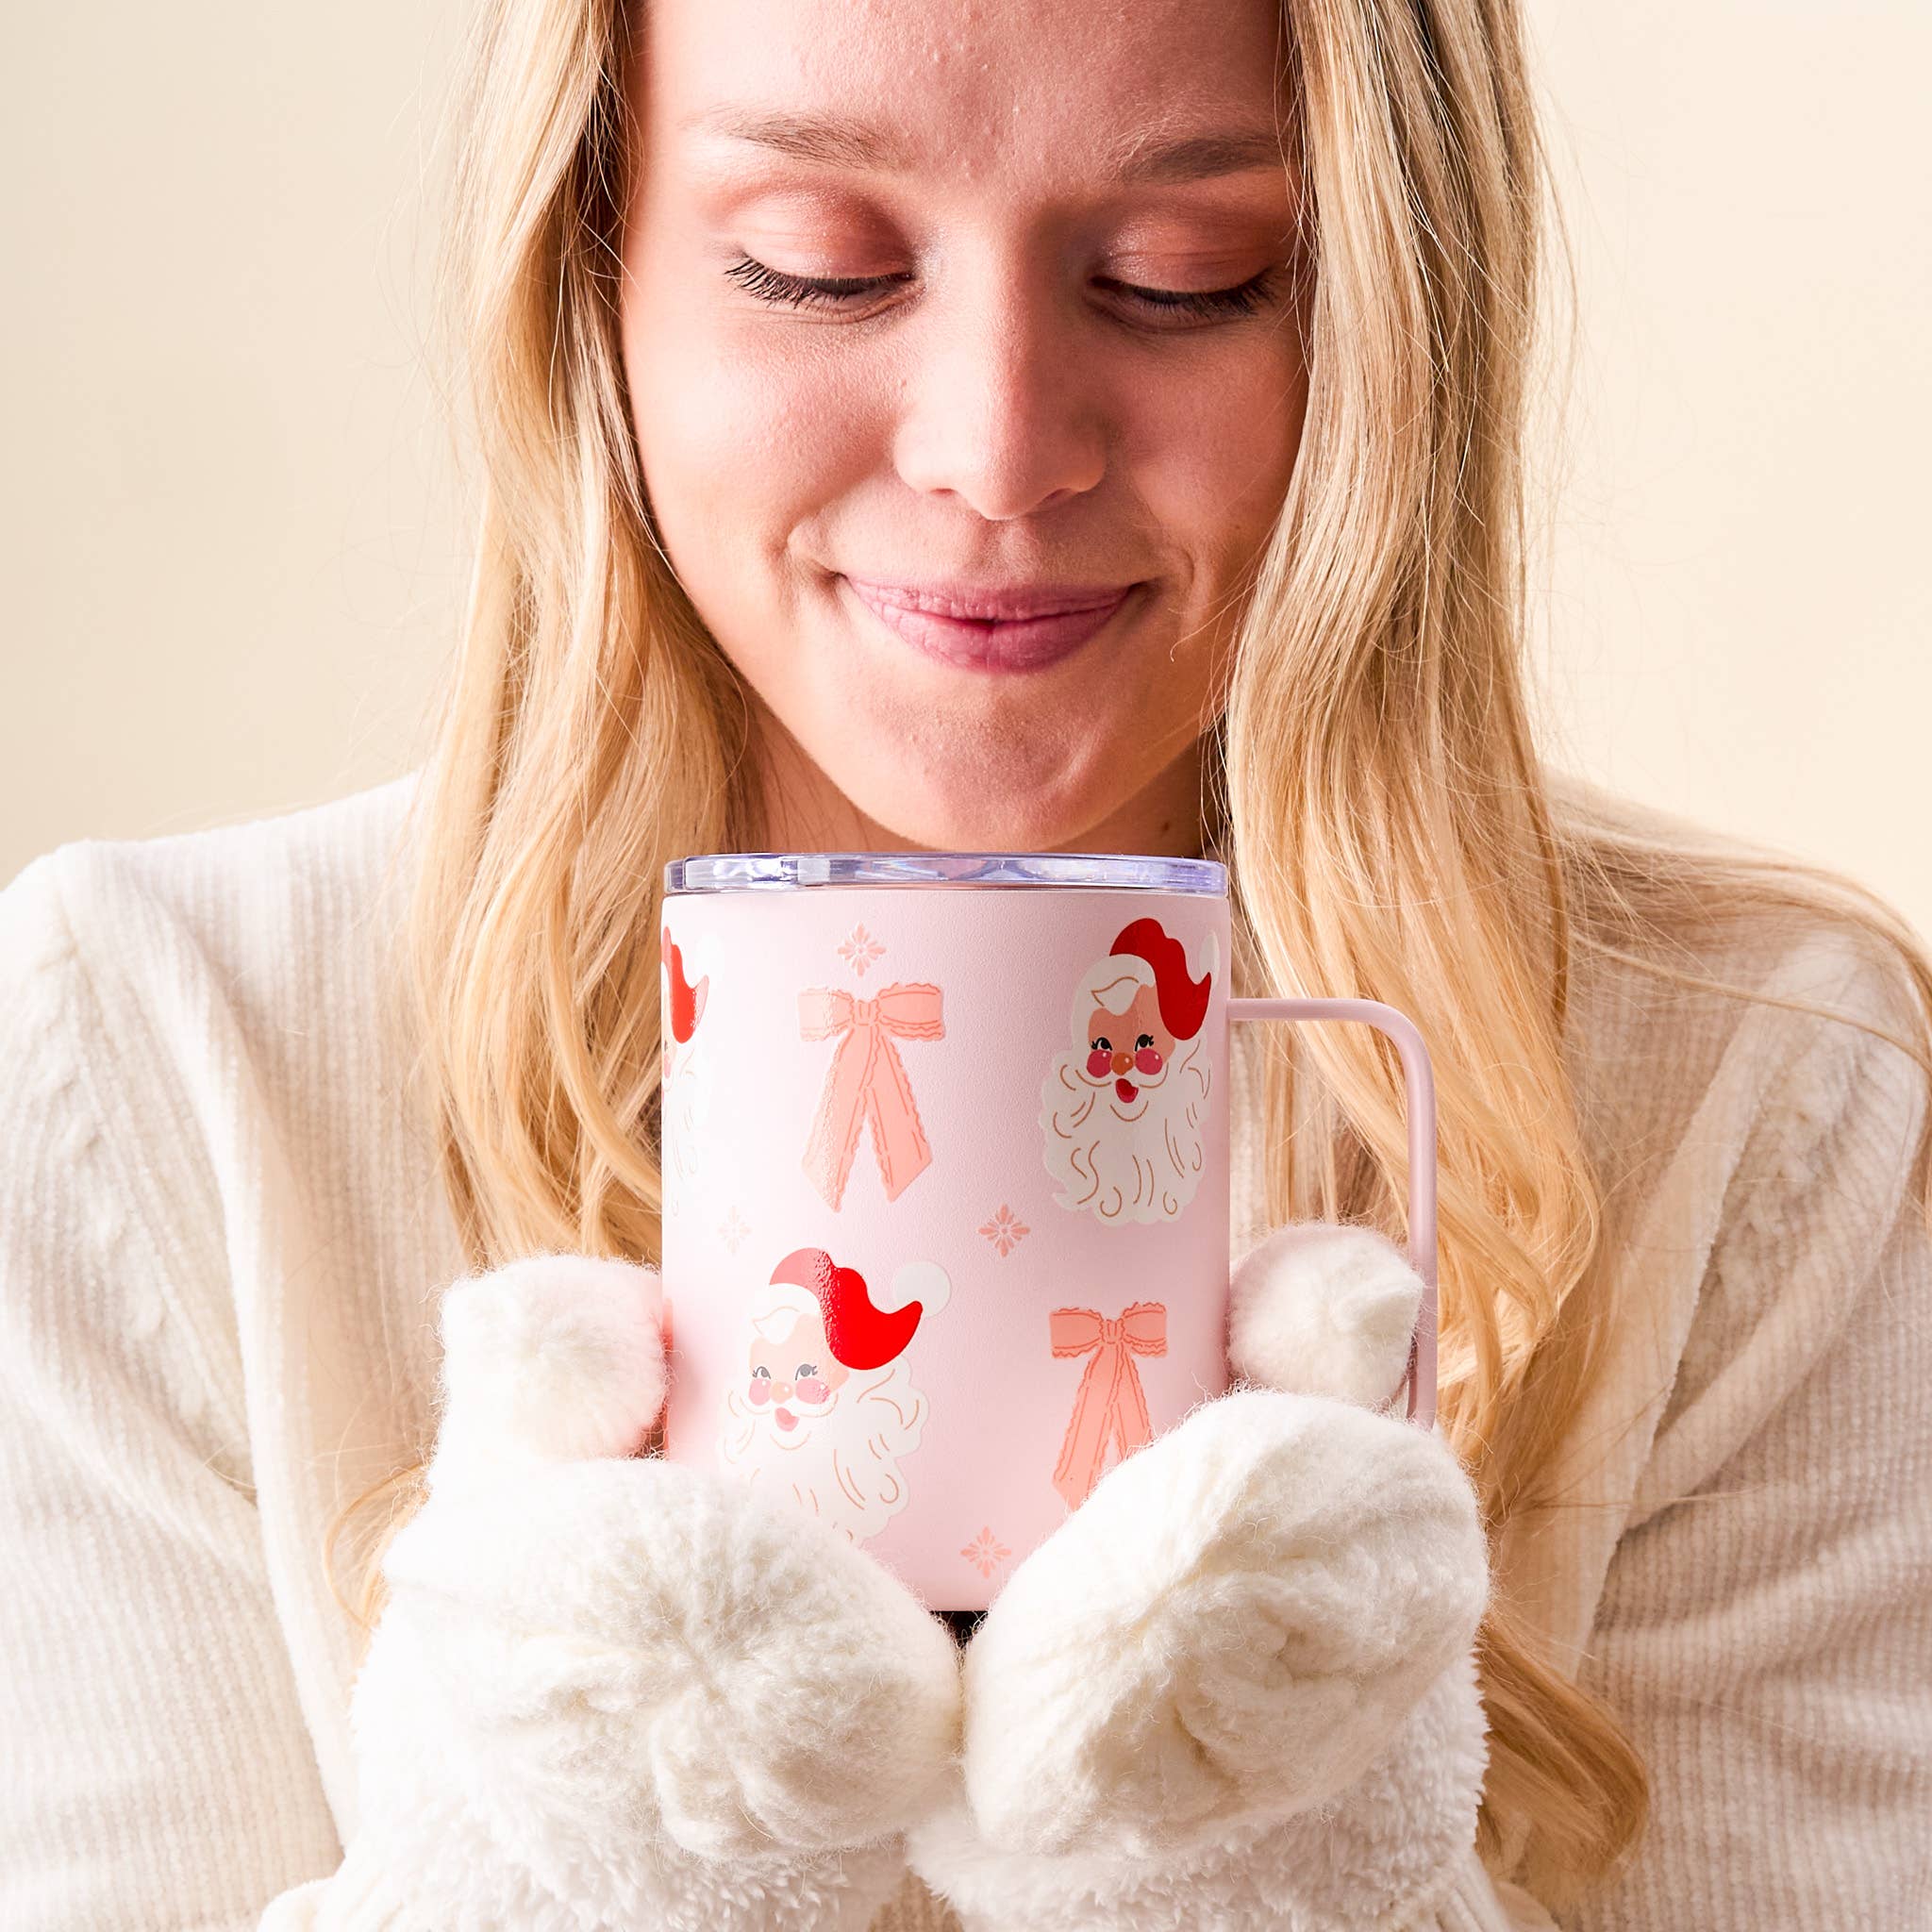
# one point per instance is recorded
(1235, 1687)
(610, 1690)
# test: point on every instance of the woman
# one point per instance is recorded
(812, 350)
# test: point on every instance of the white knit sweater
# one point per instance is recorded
(221, 1235)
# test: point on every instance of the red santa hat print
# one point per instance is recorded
(1183, 999)
(861, 1332)
(687, 1001)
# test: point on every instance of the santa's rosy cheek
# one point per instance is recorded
(814, 1391)
(1147, 1060)
(1099, 1063)
(761, 1389)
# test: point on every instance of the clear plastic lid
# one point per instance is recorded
(739, 872)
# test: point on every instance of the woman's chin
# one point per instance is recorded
(987, 814)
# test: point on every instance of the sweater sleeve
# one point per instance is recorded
(1765, 1630)
(155, 1770)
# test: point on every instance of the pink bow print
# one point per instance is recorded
(1109, 1401)
(867, 1081)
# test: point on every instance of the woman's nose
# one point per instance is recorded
(999, 412)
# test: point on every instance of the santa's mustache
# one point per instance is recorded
(765, 1418)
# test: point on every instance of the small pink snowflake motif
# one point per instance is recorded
(859, 950)
(733, 1229)
(986, 1552)
(1005, 1231)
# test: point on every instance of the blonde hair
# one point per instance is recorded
(1392, 831)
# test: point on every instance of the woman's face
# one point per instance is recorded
(926, 328)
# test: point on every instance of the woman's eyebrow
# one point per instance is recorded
(831, 141)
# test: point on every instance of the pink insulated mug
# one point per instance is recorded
(945, 1151)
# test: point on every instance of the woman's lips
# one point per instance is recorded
(1014, 644)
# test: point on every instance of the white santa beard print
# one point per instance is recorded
(842, 1465)
(688, 1106)
(1146, 1166)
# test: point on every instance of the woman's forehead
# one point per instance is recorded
(1163, 91)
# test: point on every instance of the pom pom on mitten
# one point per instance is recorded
(550, 1358)
(1324, 1309)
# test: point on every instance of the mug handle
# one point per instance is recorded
(1419, 1378)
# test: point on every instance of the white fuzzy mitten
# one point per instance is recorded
(608, 1691)
(1236, 1688)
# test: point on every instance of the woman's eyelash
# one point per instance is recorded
(771, 285)
(1243, 299)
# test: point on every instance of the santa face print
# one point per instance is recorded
(1131, 1048)
(794, 1379)
(824, 1410)
(1123, 1108)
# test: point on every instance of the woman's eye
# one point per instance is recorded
(771, 285)
(1243, 299)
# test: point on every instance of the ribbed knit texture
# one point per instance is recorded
(222, 1237)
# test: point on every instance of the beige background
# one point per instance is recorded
(231, 566)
